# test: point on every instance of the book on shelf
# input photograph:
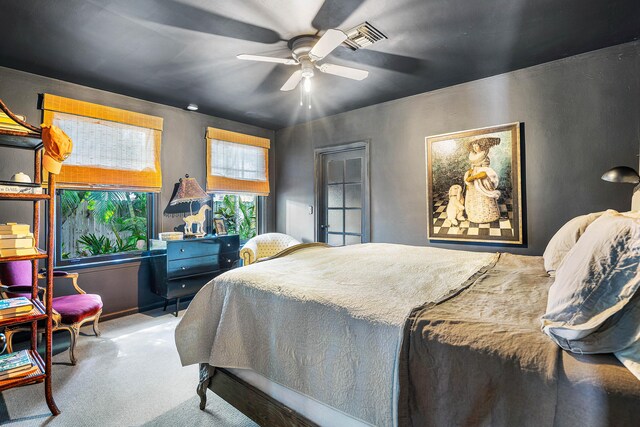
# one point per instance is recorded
(11, 361)
(17, 365)
(17, 252)
(15, 305)
(34, 312)
(29, 370)
(7, 123)
(17, 243)
(14, 228)
(16, 236)
(18, 188)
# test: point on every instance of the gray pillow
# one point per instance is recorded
(565, 238)
(594, 303)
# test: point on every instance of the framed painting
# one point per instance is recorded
(474, 183)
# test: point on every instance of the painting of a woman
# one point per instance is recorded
(474, 185)
(481, 201)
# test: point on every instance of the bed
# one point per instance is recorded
(395, 335)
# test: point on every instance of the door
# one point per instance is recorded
(343, 197)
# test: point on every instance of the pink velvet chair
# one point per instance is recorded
(70, 312)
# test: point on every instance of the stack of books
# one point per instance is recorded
(16, 240)
(18, 364)
(14, 307)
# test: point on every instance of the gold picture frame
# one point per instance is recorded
(474, 185)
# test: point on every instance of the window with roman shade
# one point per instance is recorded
(237, 163)
(112, 148)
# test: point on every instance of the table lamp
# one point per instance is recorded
(625, 175)
(189, 191)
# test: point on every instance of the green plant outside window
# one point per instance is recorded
(240, 213)
(99, 223)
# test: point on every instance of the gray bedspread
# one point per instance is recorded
(480, 359)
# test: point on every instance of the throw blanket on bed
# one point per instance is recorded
(480, 359)
(326, 322)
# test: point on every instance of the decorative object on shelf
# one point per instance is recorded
(197, 219)
(3, 343)
(21, 177)
(189, 191)
(221, 226)
(170, 235)
(485, 165)
(57, 148)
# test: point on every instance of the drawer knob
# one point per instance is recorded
(183, 267)
(184, 286)
(181, 249)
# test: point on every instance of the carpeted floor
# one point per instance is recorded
(129, 376)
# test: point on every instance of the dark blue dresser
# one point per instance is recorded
(185, 266)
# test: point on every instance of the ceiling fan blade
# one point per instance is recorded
(327, 43)
(339, 70)
(193, 18)
(292, 82)
(287, 61)
(333, 13)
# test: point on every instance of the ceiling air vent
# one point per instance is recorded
(363, 35)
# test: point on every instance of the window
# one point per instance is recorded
(112, 148)
(237, 163)
(240, 212)
(102, 225)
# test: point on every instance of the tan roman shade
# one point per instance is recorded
(112, 148)
(237, 163)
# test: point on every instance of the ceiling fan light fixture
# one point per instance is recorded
(307, 84)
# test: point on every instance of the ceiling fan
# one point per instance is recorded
(306, 52)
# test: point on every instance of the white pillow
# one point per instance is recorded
(565, 238)
(594, 303)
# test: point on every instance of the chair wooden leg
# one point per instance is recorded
(96, 328)
(74, 331)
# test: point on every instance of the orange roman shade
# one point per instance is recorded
(113, 148)
(237, 162)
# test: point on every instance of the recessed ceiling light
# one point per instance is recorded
(192, 107)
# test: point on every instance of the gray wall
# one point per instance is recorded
(581, 116)
(123, 287)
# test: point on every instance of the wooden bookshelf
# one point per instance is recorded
(30, 139)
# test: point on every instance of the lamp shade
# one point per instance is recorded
(189, 191)
(622, 174)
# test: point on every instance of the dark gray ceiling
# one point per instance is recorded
(177, 52)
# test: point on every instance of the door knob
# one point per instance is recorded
(324, 225)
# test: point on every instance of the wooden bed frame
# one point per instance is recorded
(255, 404)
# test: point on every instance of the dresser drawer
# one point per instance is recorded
(188, 286)
(229, 243)
(190, 266)
(194, 248)
(227, 260)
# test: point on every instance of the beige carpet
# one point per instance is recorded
(130, 376)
